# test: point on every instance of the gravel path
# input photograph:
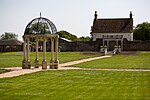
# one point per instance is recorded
(17, 71)
(62, 66)
(109, 69)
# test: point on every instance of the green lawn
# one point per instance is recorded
(77, 85)
(13, 59)
(141, 60)
(3, 71)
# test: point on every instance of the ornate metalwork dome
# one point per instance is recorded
(40, 25)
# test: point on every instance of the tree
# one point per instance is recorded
(87, 38)
(39, 28)
(8, 35)
(73, 38)
(142, 32)
(67, 35)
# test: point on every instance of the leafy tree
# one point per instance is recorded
(67, 35)
(87, 38)
(142, 32)
(38, 28)
(8, 35)
(73, 38)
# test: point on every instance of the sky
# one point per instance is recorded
(74, 16)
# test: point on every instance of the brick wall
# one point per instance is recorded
(136, 45)
(81, 46)
(95, 46)
(77, 46)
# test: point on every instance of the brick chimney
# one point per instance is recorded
(95, 15)
(130, 14)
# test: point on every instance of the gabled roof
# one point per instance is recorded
(10, 42)
(120, 25)
(117, 25)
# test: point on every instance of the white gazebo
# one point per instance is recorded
(40, 29)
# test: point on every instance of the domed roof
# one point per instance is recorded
(40, 25)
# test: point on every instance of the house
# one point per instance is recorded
(112, 31)
(11, 45)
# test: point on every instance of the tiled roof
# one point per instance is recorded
(119, 25)
(10, 42)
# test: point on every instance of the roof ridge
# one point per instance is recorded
(112, 18)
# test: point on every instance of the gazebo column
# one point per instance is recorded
(44, 64)
(52, 53)
(28, 54)
(37, 58)
(56, 50)
(24, 62)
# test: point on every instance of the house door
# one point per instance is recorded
(111, 45)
